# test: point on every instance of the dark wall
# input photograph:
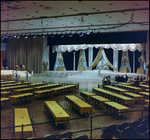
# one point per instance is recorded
(102, 38)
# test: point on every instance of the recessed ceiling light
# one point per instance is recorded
(24, 7)
(41, 5)
(70, 8)
(63, 13)
(136, 4)
(110, 4)
(34, 2)
(94, 8)
(36, 11)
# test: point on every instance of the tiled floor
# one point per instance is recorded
(37, 111)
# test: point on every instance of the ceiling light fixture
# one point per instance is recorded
(81, 34)
(34, 36)
(70, 35)
(14, 36)
(62, 35)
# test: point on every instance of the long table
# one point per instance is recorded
(36, 84)
(22, 90)
(54, 91)
(144, 86)
(136, 97)
(21, 116)
(57, 111)
(114, 96)
(7, 82)
(13, 87)
(86, 94)
(46, 86)
(145, 94)
(5, 101)
(114, 107)
(79, 104)
(130, 88)
(115, 89)
(99, 101)
(5, 94)
(21, 97)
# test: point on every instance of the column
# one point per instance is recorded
(45, 53)
(115, 59)
(74, 60)
(133, 62)
(90, 56)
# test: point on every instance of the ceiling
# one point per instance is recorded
(30, 17)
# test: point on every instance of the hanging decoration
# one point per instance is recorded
(125, 63)
(142, 68)
(82, 64)
(101, 61)
(124, 47)
(59, 63)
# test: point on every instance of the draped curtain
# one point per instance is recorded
(28, 52)
(123, 47)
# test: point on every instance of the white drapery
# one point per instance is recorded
(123, 47)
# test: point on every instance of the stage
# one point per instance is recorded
(93, 75)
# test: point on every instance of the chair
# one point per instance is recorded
(81, 137)
(145, 135)
(31, 138)
(66, 134)
(50, 136)
(127, 133)
(108, 131)
(120, 128)
(134, 123)
(142, 128)
(145, 121)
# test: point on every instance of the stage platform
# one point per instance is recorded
(75, 75)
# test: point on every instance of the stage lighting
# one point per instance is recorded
(62, 35)
(70, 35)
(34, 36)
(87, 32)
(18, 36)
(81, 34)
(26, 37)
(14, 36)
(10, 37)
(43, 36)
(52, 35)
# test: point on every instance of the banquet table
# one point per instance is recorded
(144, 87)
(21, 97)
(87, 95)
(145, 94)
(5, 94)
(79, 104)
(99, 100)
(114, 107)
(22, 90)
(5, 101)
(46, 86)
(114, 96)
(21, 116)
(36, 84)
(115, 89)
(130, 88)
(57, 111)
(137, 97)
(8, 82)
(13, 87)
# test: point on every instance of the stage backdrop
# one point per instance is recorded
(102, 38)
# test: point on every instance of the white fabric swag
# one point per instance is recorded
(124, 47)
